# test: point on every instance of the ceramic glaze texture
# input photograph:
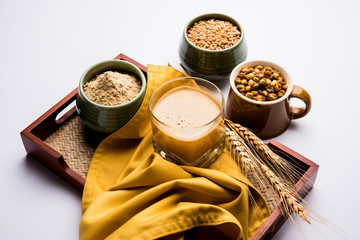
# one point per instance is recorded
(266, 119)
(211, 64)
(103, 118)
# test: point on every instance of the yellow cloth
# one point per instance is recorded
(133, 193)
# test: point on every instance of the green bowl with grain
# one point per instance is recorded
(200, 60)
(105, 113)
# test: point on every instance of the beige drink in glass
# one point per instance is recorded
(187, 116)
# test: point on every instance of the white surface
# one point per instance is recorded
(46, 45)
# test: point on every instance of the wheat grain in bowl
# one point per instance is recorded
(213, 34)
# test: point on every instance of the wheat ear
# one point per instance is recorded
(290, 203)
(239, 151)
(252, 163)
(244, 160)
(279, 165)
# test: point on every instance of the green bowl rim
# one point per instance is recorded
(208, 16)
(140, 94)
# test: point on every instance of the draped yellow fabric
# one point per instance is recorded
(133, 193)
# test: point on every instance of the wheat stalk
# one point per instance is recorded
(238, 150)
(244, 160)
(252, 162)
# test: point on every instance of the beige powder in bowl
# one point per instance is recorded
(112, 88)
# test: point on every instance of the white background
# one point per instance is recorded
(46, 45)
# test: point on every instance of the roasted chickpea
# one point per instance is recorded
(249, 76)
(242, 75)
(277, 87)
(260, 98)
(245, 70)
(270, 89)
(272, 96)
(281, 80)
(240, 87)
(249, 95)
(267, 73)
(251, 83)
(237, 81)
(273, 83)
(265, 93)
(261, 83)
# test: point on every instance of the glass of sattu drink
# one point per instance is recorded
(187, 116)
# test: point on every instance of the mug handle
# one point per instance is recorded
(303, 95)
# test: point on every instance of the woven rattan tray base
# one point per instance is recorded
(70, 140)
(66, 146)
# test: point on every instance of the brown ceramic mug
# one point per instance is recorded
(267, 119)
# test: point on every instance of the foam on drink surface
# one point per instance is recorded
(189, 109)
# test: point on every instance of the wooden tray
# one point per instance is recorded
(63, 144)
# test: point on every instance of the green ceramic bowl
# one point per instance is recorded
(211, 64)
(104, 118)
